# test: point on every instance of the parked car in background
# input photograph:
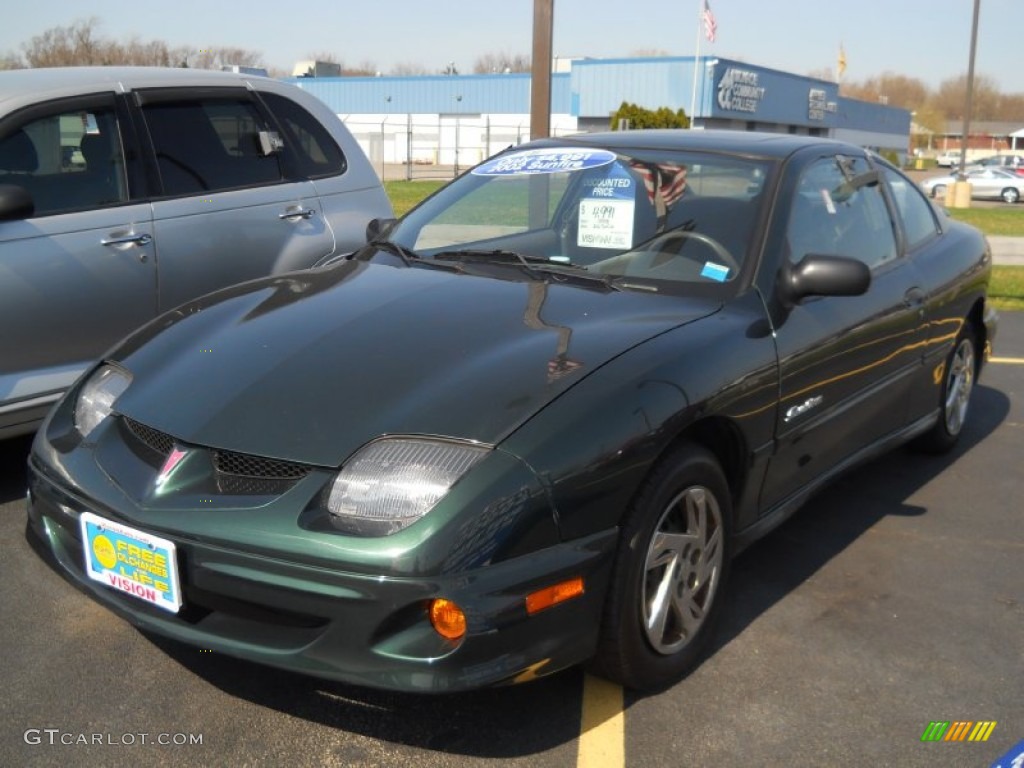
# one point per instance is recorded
(986, 184)
(528, 425)
(1013, 163)
(126, 191)
(948, 159)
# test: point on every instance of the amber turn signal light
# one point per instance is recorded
(447, 618)
(553, 595)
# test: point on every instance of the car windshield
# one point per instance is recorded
(652, 220)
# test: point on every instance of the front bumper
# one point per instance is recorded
(356, 627)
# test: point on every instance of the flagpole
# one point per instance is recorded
(696, 62)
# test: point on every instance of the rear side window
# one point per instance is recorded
(918, 219)
(209, 144)
(315, 151)
(68, 158)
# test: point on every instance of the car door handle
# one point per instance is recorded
(914, 297)
(297, 212)
(123, 242)
(141, 239)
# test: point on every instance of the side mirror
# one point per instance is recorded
(15, 203)
(378, 228)
(817, 275)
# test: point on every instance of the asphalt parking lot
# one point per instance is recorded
(893, 599)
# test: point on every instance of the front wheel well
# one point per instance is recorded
(976, 318)
(723, 439)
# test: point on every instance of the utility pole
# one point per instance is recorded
(540, 79)
(962, 188)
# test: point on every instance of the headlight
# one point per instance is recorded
(390, 484)
(97, 397)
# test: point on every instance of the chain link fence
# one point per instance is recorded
(439, 146)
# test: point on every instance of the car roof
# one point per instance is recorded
(21, 85)
(752, 143)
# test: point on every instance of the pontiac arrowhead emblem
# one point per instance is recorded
(173, 459)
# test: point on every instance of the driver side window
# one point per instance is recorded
(833, 215)
(69, 158)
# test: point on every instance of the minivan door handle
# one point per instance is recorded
(141, 239)
(296, 212)
(123, 242)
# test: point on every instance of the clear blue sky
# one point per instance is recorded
(927, 39)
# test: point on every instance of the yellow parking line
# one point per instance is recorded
(602, 727)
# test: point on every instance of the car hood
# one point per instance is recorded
(310, 366)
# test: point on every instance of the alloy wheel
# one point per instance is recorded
(959, 384)
(682, 569)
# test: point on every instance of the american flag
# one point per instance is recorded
(664, 181)
(710, 27)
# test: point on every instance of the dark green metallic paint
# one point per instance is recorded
(309, 367)
(361, 350)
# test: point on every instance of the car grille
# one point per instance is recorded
(243, 464)
(235, 473)
(157, 441)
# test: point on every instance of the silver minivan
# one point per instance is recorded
(125, 191)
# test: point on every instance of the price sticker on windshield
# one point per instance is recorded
(606, 223)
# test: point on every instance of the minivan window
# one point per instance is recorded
(67, 159)
(315, 151)
(206, 145)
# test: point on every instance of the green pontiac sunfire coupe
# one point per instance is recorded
(527, 425)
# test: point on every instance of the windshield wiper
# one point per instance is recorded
(528, 261)
(532, 265)
(410, 258)
(407, 255)
(502, 256)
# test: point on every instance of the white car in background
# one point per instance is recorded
(1013, 163)
(986, 184)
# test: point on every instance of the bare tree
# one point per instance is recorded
(649, 53)
(330, 58)
(65, 46)
(930, 118)
(501, 62)
(951, 98)
(890, 88)
(362, 69)
(1011, 107)
(406, 69)
(11, 61)
(154, 53)
(215, 57)
(80, 44)
(824, 73)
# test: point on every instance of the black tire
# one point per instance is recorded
(1010, 195)
(939, 190)
(675, 540)
(958, 375)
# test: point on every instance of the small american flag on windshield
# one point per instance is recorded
(664, 180)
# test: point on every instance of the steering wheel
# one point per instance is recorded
(658, 243)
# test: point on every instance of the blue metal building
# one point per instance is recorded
(494, 109)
